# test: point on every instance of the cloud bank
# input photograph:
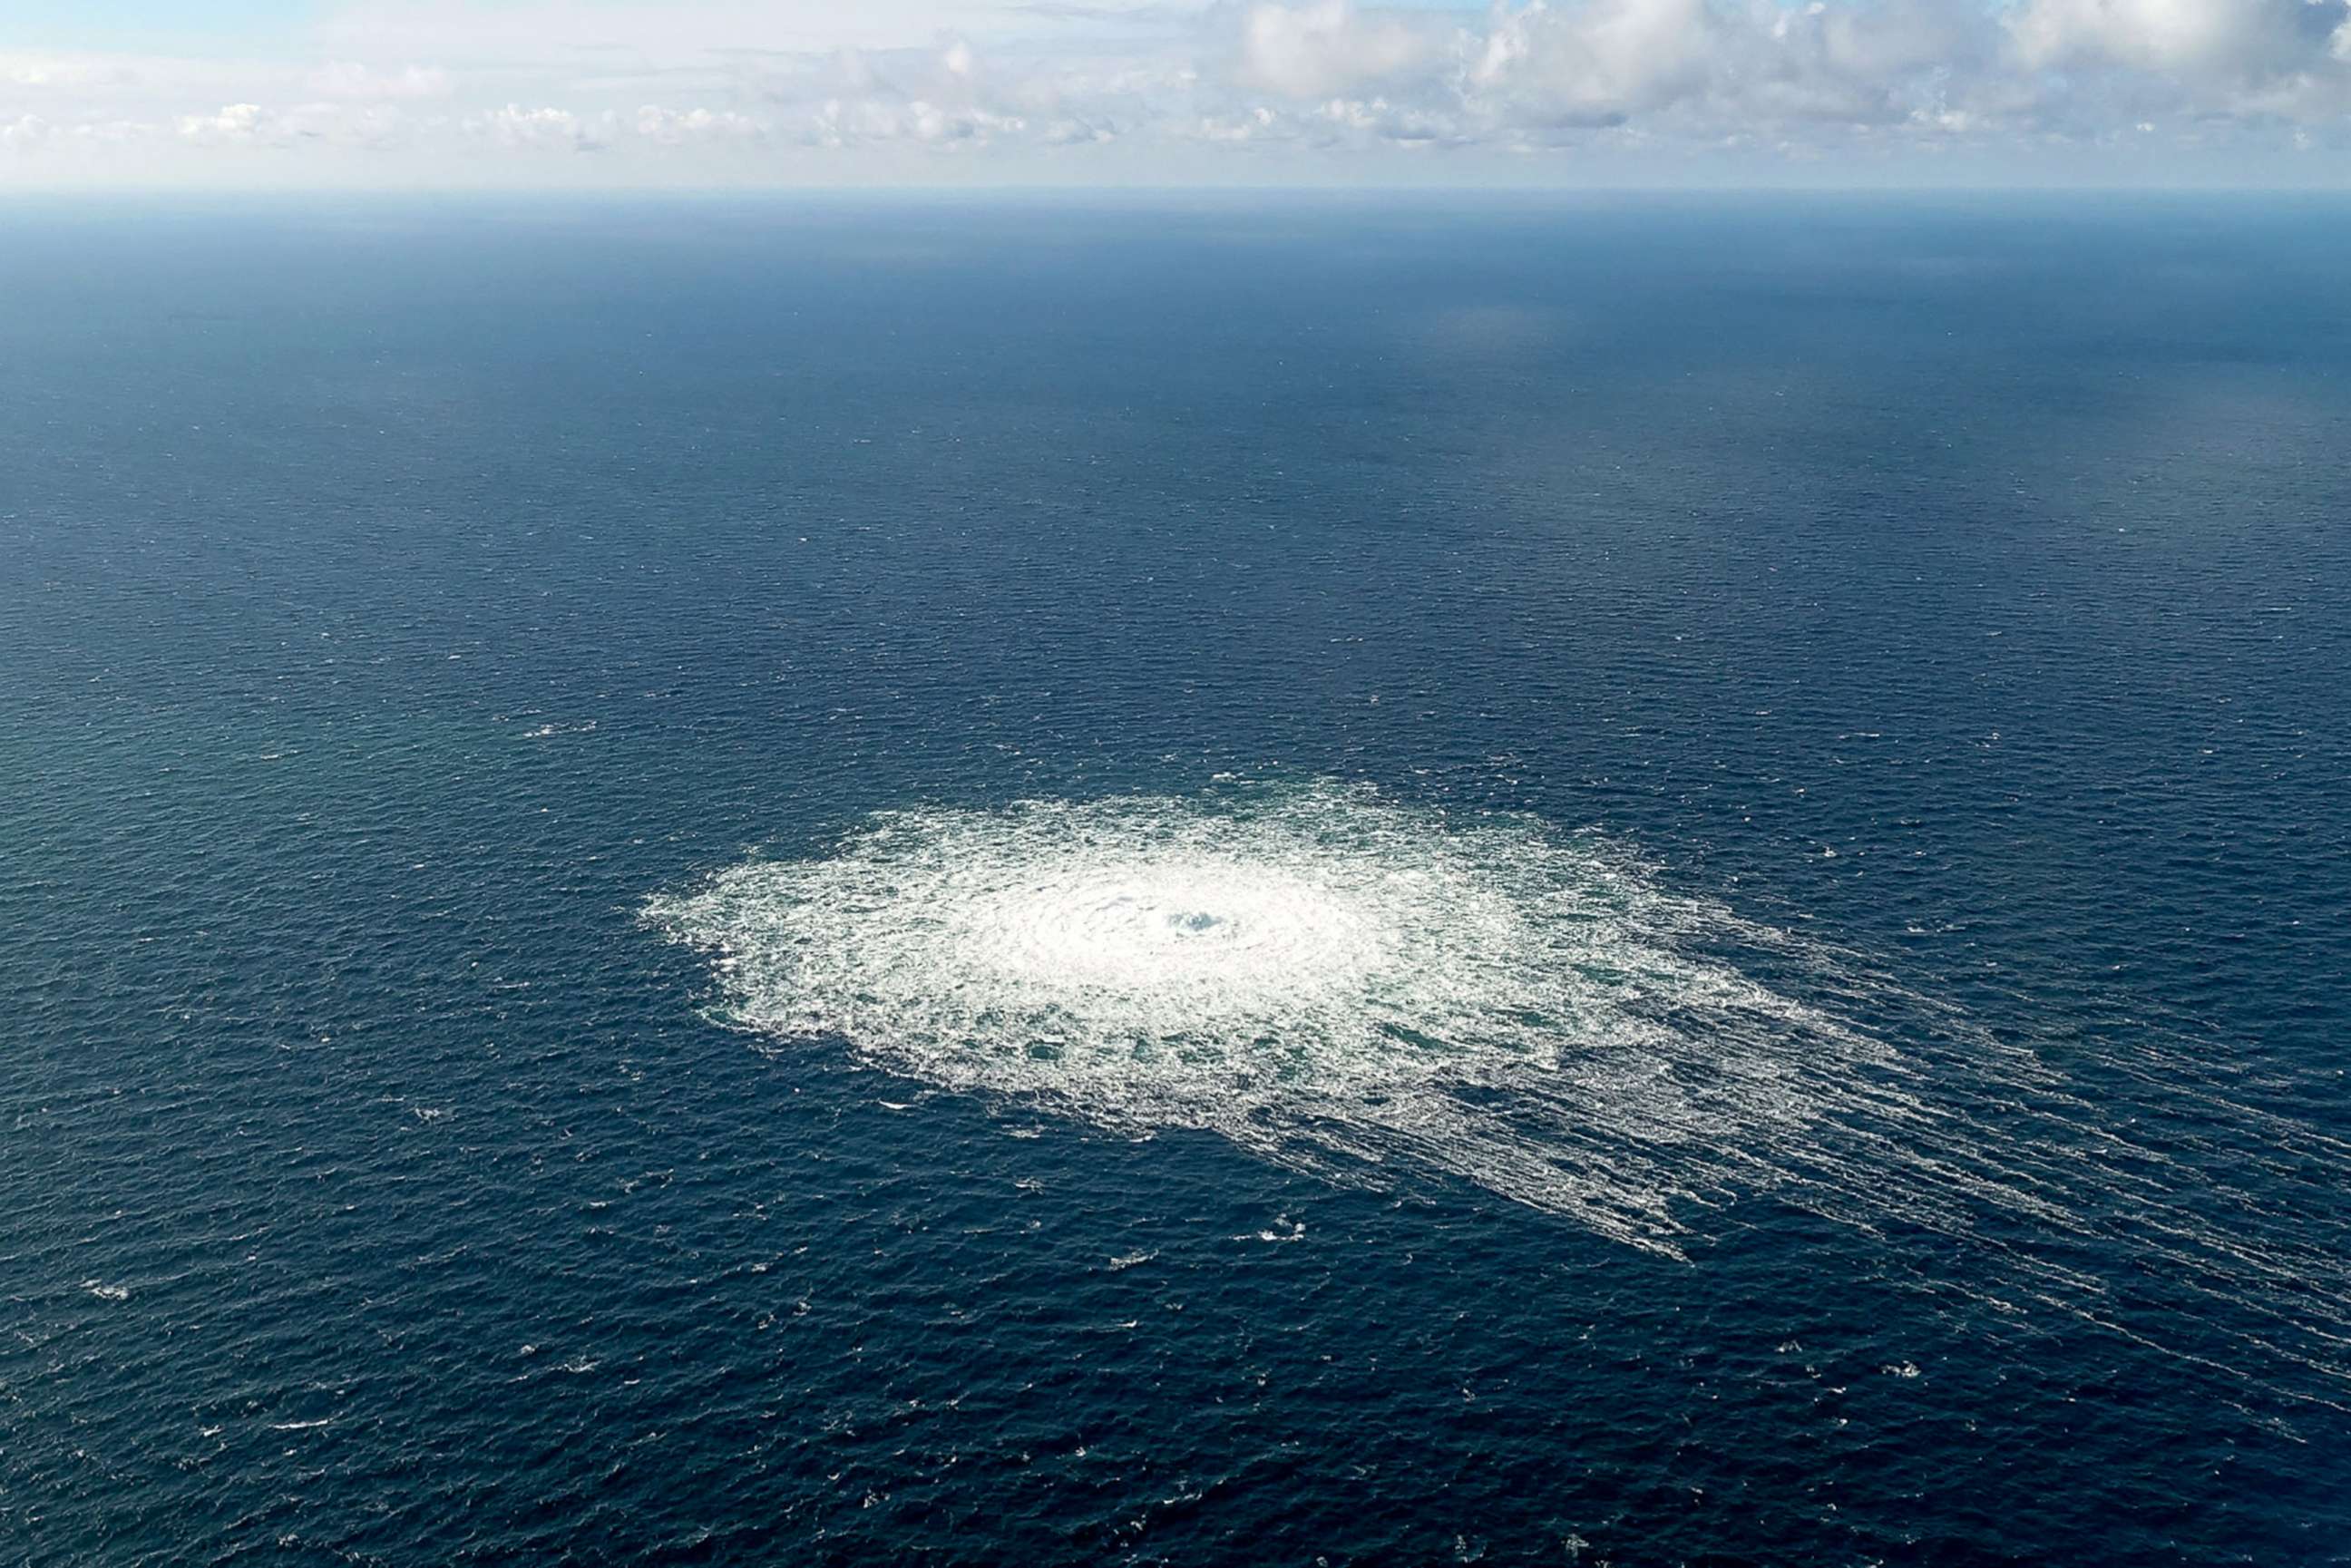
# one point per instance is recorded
(596, 92)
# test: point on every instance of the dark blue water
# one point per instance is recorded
(393, 601)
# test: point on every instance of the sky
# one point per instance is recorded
(697, 94)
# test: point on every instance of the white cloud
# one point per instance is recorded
(235, 122)
(1328, 45)
(676, 128)
(545, 129)
(790, 89)
(249, 125)
(61, 72)
(1599, 63)
(865, 121)
(2243, 60)
(341, 80)
(24, 132)
(2233, 37)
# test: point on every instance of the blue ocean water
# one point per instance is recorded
(1255, 880)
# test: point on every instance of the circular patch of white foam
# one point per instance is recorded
(1326, 977)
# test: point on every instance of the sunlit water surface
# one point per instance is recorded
(1228, 881)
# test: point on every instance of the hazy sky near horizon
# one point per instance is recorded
(624, 93)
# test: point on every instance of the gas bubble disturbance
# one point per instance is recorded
(1376, 992)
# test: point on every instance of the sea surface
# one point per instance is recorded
(1258, 880)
